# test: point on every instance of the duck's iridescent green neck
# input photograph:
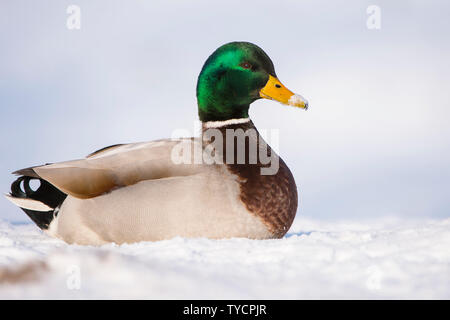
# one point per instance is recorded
(213, 106)
(214, 102)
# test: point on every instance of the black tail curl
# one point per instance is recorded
(46, 193)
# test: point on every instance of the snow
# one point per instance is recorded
(379, 259)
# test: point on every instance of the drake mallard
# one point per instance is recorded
(139, 192)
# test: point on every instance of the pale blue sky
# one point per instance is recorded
(375, 142)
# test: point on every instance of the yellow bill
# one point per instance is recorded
(275, 90)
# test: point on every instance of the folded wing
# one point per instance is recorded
(118, 166)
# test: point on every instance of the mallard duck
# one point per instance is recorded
(142, 192)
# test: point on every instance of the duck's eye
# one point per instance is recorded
(246, 65)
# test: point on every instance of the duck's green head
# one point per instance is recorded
(234, 76)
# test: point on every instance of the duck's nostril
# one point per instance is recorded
(277, 85)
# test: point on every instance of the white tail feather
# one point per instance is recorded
(29, 204)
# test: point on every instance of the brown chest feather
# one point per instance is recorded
(273, 198)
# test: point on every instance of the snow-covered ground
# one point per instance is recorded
(374, 259)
